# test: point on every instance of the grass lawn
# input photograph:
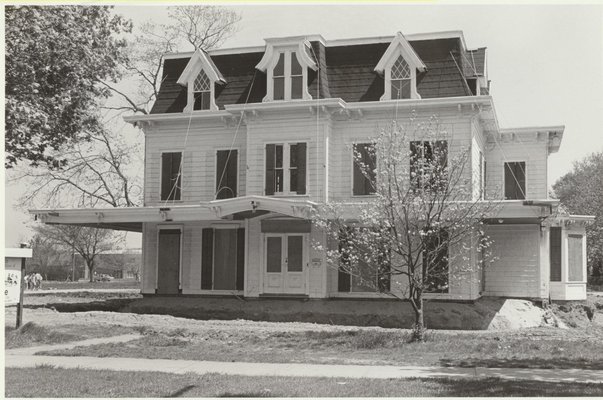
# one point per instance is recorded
(538, 348)
(114, 284)
(32, 334)
(55, 382)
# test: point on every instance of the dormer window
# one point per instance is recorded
(200, 78)
(286, 64)
(399, 65)
(202, 92)
(401, 79)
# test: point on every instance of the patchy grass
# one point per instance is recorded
(114, 284)
(57, 382)
(32, 334)
(536, 348)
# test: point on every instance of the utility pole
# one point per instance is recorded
(21, 290)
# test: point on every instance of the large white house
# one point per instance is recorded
(241, 144)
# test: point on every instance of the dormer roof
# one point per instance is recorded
(200, 59)
(408, 53)
(301, 45)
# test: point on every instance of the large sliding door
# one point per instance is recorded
(168, 261)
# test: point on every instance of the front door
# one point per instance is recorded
(284, 257)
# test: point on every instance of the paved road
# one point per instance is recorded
(25, 358)
(92, 290)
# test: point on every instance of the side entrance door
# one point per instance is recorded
(284, 259)
(168, 261)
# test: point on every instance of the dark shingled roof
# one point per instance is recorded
(474, 62)
(346, 72)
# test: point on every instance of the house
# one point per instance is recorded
(242, 143)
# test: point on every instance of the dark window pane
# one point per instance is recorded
(226, 174)
(435, 261)
(515, 181)
(294, 253)
(296, 69)
(364, 169)
(170, 176)
(279, 156)
(270, 156)
(555, 253)
(201, 100)
(279, 68)
(292, 156)
(400, 89)
(279, 88)
(273, 254)
(296, 87)
(278, 181)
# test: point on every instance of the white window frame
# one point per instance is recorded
(286, 168)
(190, 102)
(270, 77)
(387, 94)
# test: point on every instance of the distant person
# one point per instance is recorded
(38, 280)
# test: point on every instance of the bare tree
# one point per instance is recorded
(417, 232)
(88, 242)
(100, 172)
(190, 28)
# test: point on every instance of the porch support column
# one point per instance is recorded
(545, 262)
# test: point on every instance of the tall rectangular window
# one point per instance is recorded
(555, 254)
(365, 161)
(286, 168)
(201, 92)
(428, 164)
(296, 78)
(278, 78)
(515, 180)
(171, 175)
(435, 263)
(222, 259)
(226, 174)
(575, 259)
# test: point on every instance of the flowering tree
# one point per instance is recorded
(421, 227)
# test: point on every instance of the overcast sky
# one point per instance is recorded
(545, 61)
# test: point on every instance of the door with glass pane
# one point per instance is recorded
(284, 256)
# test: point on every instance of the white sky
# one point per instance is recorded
(545, 61)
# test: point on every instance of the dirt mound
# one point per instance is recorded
(516, 314)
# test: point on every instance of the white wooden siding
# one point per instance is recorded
(526, 148)
(199, 148)
(514, 272)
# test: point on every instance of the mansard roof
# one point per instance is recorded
(346, 68)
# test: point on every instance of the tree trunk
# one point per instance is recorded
(90, 266)
(418, 333)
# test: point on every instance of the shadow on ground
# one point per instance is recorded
(555, 363)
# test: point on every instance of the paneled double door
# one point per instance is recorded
(285, 259)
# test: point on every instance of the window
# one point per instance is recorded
(226, 174)
(428, 164)
(278, 76)
(222, 259)
(365, 161)
(286, 168)
(202, 92)
(435, 263)
(481, 177)
(296, 78)
(515, 180)
(575, 259)
(363, 276)
(555, 253)
(400, 79)
(171, 175)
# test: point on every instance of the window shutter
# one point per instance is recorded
(515, 181)
(176, 176)
(358, 184)
(415, 155)
(510, 183)
(207, 257)
(370, 159)
(270, 155)
(555, 254)
(301, 168)
(240, 285)
(520, 173)
(232, 172)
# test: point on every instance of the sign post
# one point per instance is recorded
(14, 285)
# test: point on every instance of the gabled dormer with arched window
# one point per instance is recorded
(399, 65)
(200, 77)
(286, 62)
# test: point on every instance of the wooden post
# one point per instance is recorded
(21, 289)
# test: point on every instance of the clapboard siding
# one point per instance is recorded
(287, 128)
(526, 148)
(345, 133)
(199, 148)
(514, 270)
